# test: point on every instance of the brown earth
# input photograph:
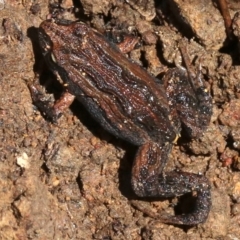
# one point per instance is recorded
(71, 180)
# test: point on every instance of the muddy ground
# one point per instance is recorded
(71, 180)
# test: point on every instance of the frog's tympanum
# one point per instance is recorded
(129, 103)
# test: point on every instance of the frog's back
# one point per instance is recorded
(120, 94)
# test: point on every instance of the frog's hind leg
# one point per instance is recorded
(188, 96)
(149, 180)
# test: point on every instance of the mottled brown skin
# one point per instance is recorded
(130, 104)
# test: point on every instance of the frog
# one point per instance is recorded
(132, 105)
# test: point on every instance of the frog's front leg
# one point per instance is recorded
(52, 111)
(149, 180)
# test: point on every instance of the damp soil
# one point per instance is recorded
(71, 180)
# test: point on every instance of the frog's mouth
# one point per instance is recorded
(47, 49)
(45, 42)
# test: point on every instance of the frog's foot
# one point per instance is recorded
(148, 180)
(126, 41)
(199, 215)
(178, 183)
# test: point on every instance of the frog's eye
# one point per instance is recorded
(53, 58)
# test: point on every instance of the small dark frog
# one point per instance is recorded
(132, 105)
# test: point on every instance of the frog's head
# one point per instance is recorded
(58, 38)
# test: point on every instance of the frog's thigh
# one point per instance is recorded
(148, 166)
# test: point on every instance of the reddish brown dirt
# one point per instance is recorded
(71, 180)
